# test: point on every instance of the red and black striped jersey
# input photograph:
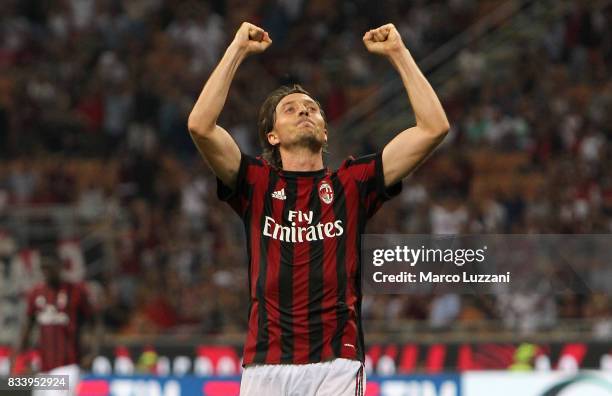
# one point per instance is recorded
(303, 233)
(59, 314)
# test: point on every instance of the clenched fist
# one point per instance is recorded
(384, 40)
(251, 38)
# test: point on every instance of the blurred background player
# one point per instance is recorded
(60, 311)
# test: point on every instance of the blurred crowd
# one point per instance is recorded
(95, 94)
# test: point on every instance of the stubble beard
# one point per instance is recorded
(309, 140)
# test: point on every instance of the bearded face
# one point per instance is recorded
(299, 123)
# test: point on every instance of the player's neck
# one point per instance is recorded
(301, 160)
(54, 284)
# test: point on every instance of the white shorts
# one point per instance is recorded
(338, 377)
(73, 371)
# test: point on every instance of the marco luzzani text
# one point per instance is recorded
(404, 255)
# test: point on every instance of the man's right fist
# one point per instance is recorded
(252, 39)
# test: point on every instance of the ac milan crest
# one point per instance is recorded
(326, 193)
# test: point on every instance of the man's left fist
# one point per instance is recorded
(384, 40)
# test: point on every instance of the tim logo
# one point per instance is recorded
(326, 193)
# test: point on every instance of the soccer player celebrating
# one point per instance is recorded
(303, 221)
(60, 309)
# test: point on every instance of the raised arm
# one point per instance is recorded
(410, 147)
(214, 143)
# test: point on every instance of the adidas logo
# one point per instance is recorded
(280, 194)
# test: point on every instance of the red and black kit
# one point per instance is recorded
(59, 313)
(303, 232)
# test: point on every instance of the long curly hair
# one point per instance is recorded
(267, 118)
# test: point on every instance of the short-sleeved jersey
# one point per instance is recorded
(59, 314)
(303, 233)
